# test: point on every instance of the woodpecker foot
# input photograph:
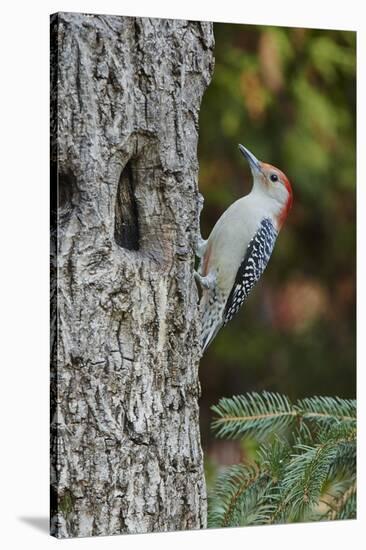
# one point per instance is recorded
(206, 282)
(201, 244)
(200, 247)
(201, 201)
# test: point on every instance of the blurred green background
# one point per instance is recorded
(289, 95)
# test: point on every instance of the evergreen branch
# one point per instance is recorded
(345, 506)
(310, 474)
(245, 413)
(345, 462)
(327, 409)
(307, 473)
(237, 499)
(274, 457)
(305, 476)
(266, 412)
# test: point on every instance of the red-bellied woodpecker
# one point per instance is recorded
(238, 249)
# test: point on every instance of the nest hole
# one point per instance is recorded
(126, 228)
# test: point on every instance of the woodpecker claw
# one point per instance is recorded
(200, 247)
(206, 282)
(201, 202)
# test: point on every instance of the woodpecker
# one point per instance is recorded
(240, 245)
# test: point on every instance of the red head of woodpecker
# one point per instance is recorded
(239, 247)
(272, 182)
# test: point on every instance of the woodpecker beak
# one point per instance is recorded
(254, 163)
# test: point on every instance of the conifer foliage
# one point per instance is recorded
(305, 466)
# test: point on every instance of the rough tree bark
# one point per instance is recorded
(125, 443)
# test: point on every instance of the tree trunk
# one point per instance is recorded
(125, 443)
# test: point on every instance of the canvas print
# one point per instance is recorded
(203, 364)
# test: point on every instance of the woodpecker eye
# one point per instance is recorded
(273, 177)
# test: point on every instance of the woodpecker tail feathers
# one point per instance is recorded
(209, 336)
(212, 308)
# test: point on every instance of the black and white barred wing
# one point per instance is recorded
(254, 263)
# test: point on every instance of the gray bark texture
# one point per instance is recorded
(126, 455)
